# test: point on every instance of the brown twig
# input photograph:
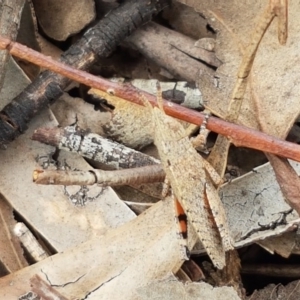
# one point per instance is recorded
(239, 135)
(147, 174)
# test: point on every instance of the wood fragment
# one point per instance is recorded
(98, 41)
(29, 242)
(11, 253)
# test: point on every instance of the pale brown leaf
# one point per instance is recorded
(61, 19)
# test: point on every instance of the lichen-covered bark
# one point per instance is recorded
(98, 41)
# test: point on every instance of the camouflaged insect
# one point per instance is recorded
(191, 185)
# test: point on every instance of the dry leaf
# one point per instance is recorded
(255, 198)
(275, 292)
(170, 288)
(112, 266)
(270, 83)
(282, 245)
(69, 110)
(59, 20)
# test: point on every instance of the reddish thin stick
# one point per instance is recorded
(239, 135)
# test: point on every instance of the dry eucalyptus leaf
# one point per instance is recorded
(111, 266)
(11, 253)
(61, 19)
(170, 288)
(273, 83)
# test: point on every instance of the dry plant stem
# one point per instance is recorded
(218, 156)
(10, 17)
(147, 174)
(289, 271)
(173, 51)
(240, 136)
(98, 41)
(44, 289)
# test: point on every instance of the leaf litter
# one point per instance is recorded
(248, 201)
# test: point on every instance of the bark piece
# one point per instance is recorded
(93, 146)
(99, 40)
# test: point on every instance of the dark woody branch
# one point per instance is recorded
(98, 41)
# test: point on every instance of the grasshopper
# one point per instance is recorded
(191, 184)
